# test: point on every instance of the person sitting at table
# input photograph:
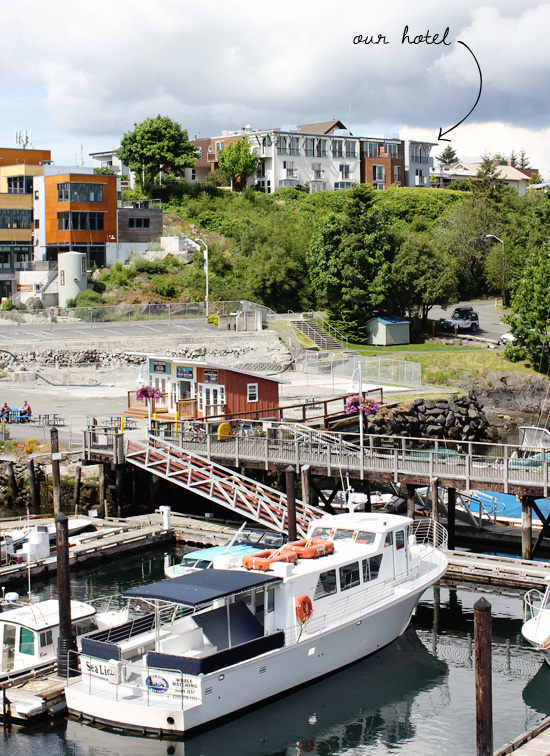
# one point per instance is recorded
(5, 412)
(25, 412)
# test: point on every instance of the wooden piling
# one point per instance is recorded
(77, 479)
(10, 472)
(435, 499)
(291, 502)
(306, 484)
(119, 488)
(526, 527)
(134, 486)
(366, 490)
(102, 487)
(483, 679)
(34, 488)
(410, 500)
(56, 477)
(451, 517)
(66, 641)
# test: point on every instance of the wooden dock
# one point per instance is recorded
(32, 697)
(534, 742)
(486, 569)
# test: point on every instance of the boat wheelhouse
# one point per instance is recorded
(536, 620)
(219, 640)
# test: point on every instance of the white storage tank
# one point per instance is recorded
(73, 277)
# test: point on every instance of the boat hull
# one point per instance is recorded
(246, 684)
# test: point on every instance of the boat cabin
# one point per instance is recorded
(197, 390)
(29, 633)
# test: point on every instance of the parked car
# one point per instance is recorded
(508, 338)
(463, 319)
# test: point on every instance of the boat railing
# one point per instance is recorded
(533, 602)
(428, 532)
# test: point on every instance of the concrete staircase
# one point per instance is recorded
(316, 334)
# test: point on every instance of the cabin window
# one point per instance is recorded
(400, 539)
(349, 576)
(270, 600)
(323, 533)
(371, 568)
(84, 626)
(389, 539)
(251, 392)
(340, 534)
(46, 638)
(365, 537)
(26, 641)
(326, 585)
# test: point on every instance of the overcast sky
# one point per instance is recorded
(79, 75)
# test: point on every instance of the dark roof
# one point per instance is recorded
(321, 128)
(202, 586)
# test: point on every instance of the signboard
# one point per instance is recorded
(210, 376)
(184, 372)
(108, 670)
(175, 685)
(159, 367)
(25, 287)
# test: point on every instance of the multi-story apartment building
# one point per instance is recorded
(320, 156)
(382, 162)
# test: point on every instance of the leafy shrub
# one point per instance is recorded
(514, 353)
(150, 266)
(212, 319)
(7, 305)
(168, 286)
(89, 298)
(71, 303)
(120, 275)
(22, 306)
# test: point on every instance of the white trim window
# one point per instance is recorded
(251, 392)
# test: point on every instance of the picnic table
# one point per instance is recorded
(114, 421)
(16, 416)
(48, 418)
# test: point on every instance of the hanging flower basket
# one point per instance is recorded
(148, 392)
(353, 405)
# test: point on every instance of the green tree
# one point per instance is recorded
(349, 262)
(536, 178)
(530, 308)
(448, 156)
(524, 161)
(157, 145)
(488, 185)
(422, 275)
(104, 172)
(237, 161)
(514, 159)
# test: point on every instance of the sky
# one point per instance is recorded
(79, 75)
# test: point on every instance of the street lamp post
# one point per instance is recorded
(492, 236)
(201, 241)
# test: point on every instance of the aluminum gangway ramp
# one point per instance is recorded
(250, 499)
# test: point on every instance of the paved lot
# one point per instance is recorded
(490, 326)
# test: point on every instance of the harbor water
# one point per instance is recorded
(414, 697)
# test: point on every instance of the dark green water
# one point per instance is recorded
(415, 697)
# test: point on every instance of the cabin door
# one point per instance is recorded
(8, 647)
(401, 556)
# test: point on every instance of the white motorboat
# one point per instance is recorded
(220, 640)
(29, 632)
(536, 620)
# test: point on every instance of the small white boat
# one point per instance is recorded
(536, 620)
(29, 632)
(220, 640)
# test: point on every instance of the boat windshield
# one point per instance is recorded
(341, 533)
(364, 536)
(258, 538)
(323, 533)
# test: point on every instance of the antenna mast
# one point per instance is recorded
(23, 138)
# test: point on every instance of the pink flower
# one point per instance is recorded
(148, 392)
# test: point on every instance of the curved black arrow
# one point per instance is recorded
(441, 132)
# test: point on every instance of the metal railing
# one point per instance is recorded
(330, 329)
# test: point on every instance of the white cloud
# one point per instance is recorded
(103, 66)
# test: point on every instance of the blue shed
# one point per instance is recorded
(387, 330)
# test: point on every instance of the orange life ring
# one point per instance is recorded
(304, 609)
(310, 549)
(264, 559)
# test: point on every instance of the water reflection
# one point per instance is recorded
(369, 702)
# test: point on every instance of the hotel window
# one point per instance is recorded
(16, 184)
(372, 149)
(391, 149)
(294, 145)
(15, 218)
(378, 173)
(397, 175)
(322, 148)
(251, 392)
(63, 192)
(350, 149)
(80, 221)
(86, 192)
(344, 172)
(309, 147)
(337, 148)
(218, 147)
(281, 145)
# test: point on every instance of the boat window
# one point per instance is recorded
(202, 564)
(245, 597)
(323, 533)
(46, 638)
(364, 537)
(326, 585)
(340, 534)
(26, 641)
(270, 599)
(349, 576)
(8, 647)
(273, 540)
(371, 567)
(400, 539)
(84, 626)
(389, 539)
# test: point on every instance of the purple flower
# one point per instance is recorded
(148, 392)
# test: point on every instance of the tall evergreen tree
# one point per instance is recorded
(524, 161)
(448, 156)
